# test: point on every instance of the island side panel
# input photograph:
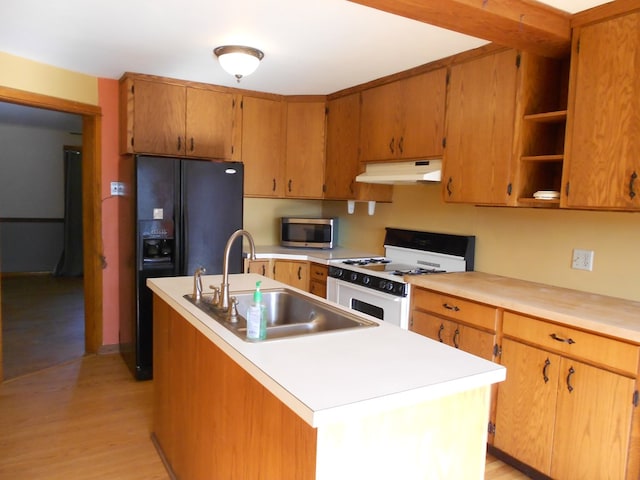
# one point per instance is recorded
(442, 438)
(212, 419)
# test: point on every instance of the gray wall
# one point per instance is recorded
(31, 195)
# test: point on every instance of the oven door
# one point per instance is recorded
(385, 307)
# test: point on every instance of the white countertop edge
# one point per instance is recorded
(227, 342)
(409, 398)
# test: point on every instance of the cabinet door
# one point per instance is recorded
(604, 137)
(304, 164)
(593, 423)
(380, 119)
(422, 121)
(209, 124)
(474, 341)
(432, 327)
(526, 404)
(263, 146)
(159, 118)
(261, 267)
(294, 273)
(343, 164)
(479, 130)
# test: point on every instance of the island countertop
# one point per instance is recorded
(334, 376)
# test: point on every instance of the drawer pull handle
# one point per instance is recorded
(440, 330)
(547, 362)
(571, 372)
(632, 192)
(299, 273)
(264, 270)
(569, 340)
(456, 335)
(451, 307)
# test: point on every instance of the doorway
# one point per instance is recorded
(91, 209)
(42, 290)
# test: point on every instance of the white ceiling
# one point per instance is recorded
(310, 46)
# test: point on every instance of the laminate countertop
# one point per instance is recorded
(614, 317)
(333, 376)
(322, 256)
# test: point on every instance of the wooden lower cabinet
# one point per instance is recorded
(292, 272)
(193, 379)
(261, 267)
(564, 417)
(460, 323)
(318, 279)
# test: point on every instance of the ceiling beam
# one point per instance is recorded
(523, 24)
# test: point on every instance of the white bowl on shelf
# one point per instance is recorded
(546, 195)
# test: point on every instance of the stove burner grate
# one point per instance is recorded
(366, 261)
(417, 271)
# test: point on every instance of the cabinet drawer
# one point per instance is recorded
(602, 351)
(318, 272)
(483, 316)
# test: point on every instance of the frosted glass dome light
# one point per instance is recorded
(238, 60)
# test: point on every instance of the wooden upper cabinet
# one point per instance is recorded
(157, 120)
(404, 119)
(305, 148)
(165, 118)
(210, 123)
(603, 125)
(477, 164)
(263, 146)
(343, 160)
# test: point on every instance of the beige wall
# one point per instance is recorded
(262, 216)
(34, 77)
(526, 243)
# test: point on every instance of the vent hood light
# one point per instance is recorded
(402, 172)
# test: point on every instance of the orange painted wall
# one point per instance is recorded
(108, 101)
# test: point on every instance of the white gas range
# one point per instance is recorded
(377, 286)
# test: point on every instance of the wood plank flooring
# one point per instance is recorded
(42, 322)
(88, 419)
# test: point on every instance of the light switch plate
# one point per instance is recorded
(117, 189)
(582, 259)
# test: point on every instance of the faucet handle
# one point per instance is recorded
(233, 310)
(215, 299)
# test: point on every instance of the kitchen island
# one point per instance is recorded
(376, 402)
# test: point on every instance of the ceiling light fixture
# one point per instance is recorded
(238, 60)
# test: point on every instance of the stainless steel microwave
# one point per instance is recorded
(308, 232)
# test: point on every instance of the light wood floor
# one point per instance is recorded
(42, 322)
(88, 419)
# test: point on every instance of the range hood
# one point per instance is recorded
(402, 172)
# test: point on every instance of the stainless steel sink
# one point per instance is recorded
(288, 312)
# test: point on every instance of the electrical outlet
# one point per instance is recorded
(117, 188)
(582, 259)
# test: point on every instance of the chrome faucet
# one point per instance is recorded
(197, 283)
(224, 288)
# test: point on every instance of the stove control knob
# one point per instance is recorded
(390, 286)
(382, 285)
(366, 280)
(353, 276)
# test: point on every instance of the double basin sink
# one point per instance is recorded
(289, 314)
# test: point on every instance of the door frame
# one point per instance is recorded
(93, 256)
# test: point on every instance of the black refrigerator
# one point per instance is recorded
(186, 210)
